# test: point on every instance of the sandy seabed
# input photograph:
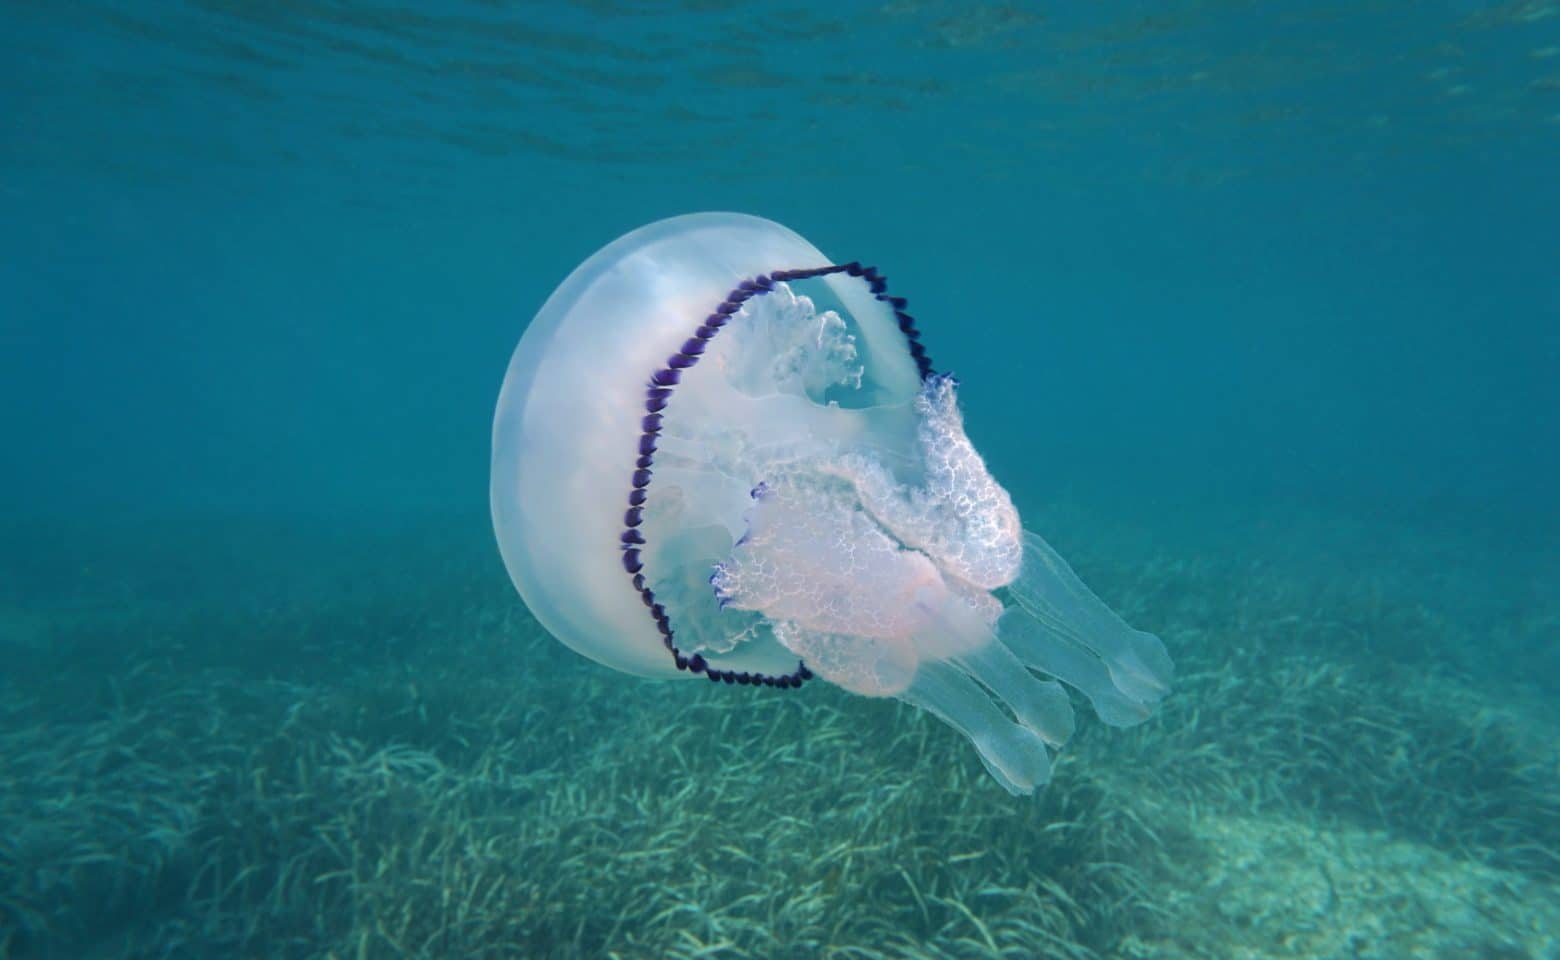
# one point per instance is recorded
(234, 742)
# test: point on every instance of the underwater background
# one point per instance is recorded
(1256, 312)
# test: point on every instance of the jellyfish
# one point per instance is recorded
(720, 455)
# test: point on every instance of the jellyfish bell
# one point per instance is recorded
(718, 454)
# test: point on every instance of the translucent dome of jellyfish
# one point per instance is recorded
(720, 455)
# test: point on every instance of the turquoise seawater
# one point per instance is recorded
(1256, 315)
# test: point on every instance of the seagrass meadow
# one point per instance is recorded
(212, 750)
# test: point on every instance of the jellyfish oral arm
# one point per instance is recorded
(895, 600)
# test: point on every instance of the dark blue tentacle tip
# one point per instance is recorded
(853, 268)
(633, 516)
(666, 377)
(641, 478)
(694, 347)
(647, 442)
(651, 423)
(713, 675)
(681, 361)
(655, 405)
(639, 583)
(632, 536)
(696, 663)
(803, 672)
(758, 492)
(631, 561)
(636, 498)
(682, 661)
(729, 676)
(898, 303)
